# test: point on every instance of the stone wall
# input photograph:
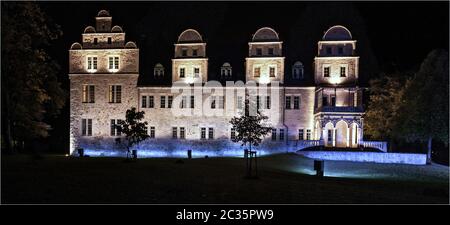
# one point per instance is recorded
(128, 60)
(335, 63)
(377, 157)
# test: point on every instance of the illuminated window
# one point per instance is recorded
(257, 72)
(92, 63)
(144, 102)
(203, 133)
(296, 102)
(300, 135)
(233, 134)
(192, 101)
(194, 52)
(270, 51)
(326, 71)
(343, 71)
(308, 134)
(158, 70)
(169, 101)
(115, 94)
(211, 133)
(258, 51)
(274, 134)
(288, 102)
(113, 63)
(355, 99)
(272, 71)
(163, 102)
(86, 127)
(281, 134)
(182, 133)
(152, 132)
(196, 72)
(182, 70)
(174, 132)
(115, 127)
(88, 94)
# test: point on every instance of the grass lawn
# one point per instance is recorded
(284, 178)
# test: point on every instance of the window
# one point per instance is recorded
(308, 134)
(325, 101)
(184, 52)
(86, 127)
(163, 102)
(113, 63)
(169, 101)
(329, 50)
(270, 51)
(88, 94)
(115, 129)
(258, 51)
(144, 102)
(296, 102)
(233, 134)
(274, 134)
(152, 132)
(158, 70)
(115, 93)
(182, 133)
(333, 100)
(212, 99)
(330, 136)
(343, 71)
(326, 71)
(272, 71)
(240, 101)
(300, 135)
(92, 63)
(257, 72)
(355, 99)
(151, 101)
(95, 41)
(174, 132)
(192, 101)
(194, 52)
(288, 102)
(340, 50)
(182, 73)
(183, 102)
(203, 133)
(267, 102)
(258, 102)
(221, 102)
(281, 134)
(109, 40)
(196, 72)
(211, 133)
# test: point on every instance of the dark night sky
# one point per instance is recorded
(400, 34)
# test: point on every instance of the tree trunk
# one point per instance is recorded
(429, 150)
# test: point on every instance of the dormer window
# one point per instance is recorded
(225, 70)
(297, 70)
(341, 50)
(329, 50)
(91, 64)
(184, 52)
(113, 63)
(158, 71)
(270, 51)
(194, 52)
(259, 51)
(109, 40)
(95, 41)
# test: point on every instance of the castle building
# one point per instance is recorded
(104, 73)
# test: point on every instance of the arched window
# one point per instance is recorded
(226, 70)
(297, 70)
(158, 70)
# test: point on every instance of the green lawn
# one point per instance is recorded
(283, 178)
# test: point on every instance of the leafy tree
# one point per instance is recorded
(423, 114)
(250, 128)
(30, 88)
(135, 131)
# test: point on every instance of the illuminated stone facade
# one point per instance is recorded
(104, 72)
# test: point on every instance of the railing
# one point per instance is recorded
(339, 109)
(301, 144)
(381, 145)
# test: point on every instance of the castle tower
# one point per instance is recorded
(103, 73)
(190, 63)
(338, 99)
(265, 62)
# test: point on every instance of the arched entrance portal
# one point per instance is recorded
(342, 134)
